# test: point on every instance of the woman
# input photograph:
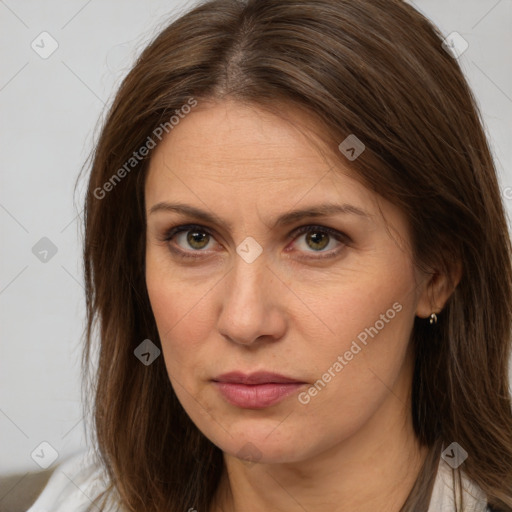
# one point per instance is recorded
(299, 262)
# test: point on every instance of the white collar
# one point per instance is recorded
(442, 499)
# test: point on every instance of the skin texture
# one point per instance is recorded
(352, 446)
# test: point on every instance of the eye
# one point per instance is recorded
(318, 238)
(188, 237)
(191, 240)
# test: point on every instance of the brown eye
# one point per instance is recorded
(317, 240)
(197, 239)
(188, 240)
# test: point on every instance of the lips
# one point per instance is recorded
(256, 390)
(255, 378)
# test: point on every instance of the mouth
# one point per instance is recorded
(256, 390)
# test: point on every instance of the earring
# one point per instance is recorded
(433, 319)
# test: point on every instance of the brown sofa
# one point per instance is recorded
(18, 492)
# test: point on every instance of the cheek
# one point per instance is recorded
(179, 311)
(356, 370)
(374, 301)
(178, 308)
(366, 318)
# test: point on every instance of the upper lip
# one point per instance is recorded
(255, 378)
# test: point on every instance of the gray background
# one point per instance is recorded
(50, 110)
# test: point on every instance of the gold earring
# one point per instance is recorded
(433, 318)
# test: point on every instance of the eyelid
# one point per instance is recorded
(170, 233)
(339, 235)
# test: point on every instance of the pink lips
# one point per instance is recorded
(256, 390)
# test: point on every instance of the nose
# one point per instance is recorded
(252, 303)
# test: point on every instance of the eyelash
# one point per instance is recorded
(338, 235)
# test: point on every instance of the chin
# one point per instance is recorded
(266, 441)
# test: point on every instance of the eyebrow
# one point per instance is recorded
(322, 210)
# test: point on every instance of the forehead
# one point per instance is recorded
(237, 145)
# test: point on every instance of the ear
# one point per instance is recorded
(437, 289)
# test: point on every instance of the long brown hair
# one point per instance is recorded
(374, 68)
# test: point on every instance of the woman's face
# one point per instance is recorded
(325, 301)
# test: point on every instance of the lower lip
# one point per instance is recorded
(256, 396)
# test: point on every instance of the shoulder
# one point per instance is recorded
(74, 485)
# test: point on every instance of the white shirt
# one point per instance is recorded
(72, 486)
(77, 480)
(442, 499)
